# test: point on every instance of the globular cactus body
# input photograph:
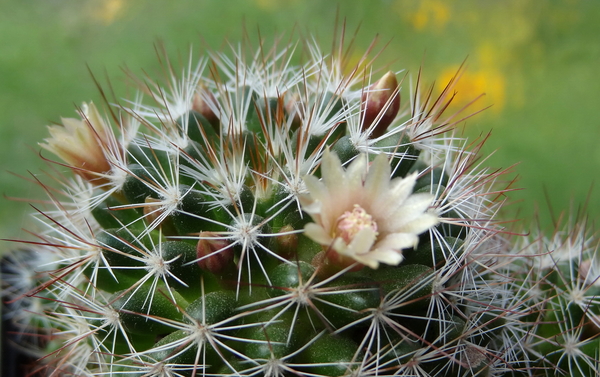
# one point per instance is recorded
(256, 218)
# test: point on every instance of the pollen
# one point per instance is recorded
(352, 222)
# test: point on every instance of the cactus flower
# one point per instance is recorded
(361, 214)
(82, 143)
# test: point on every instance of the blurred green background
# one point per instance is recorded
(537, 61)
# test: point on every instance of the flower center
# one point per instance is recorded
(351, 222)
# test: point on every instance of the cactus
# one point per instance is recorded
(250, 217)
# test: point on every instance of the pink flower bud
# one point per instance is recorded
(380, 105)
(201, 103)
(214, 254)
(286, 243)
(152, 209)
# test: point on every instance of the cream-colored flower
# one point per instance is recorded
(81, 143)
(361, 214)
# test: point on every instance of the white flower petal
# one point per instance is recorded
(378, 179)
(317, 234)
(401, 188)
(356, 171)
(318, 191)
(332, 171)
(398, 192)
(397, 241)
(420, 224)
(390, 257)
(411, 209)
(362, 242)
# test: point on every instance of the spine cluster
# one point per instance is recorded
(254, 216)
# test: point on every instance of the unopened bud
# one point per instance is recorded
(203, 99)
(152, 209)
(214, 254)
(380, 105)
(286, 243)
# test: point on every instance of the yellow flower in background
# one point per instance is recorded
(495, 31)
(108, 10)
(271, 5)
(432, 14)
(472, 84)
